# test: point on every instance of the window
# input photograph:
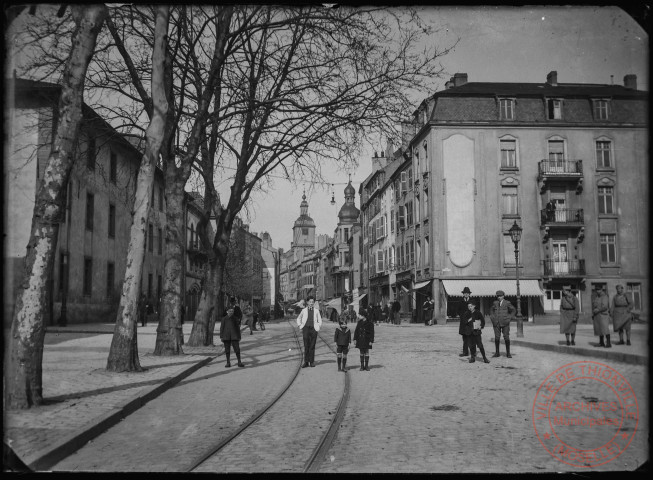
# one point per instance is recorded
(409, 213)
(404, 182)
(149, 285)
(507, 108)
(160, 241)
(555, 109)
(192, 236)
(635, 290)
(508, 154)
(606, 200)
(556, 150)
(392, 221)
(90, 209)
(600, 109)
(510, 201)
(112, 221)
(608, 248)
(150, 234)
(401, 217)
(90, 153)
(410, 246)
(509, 251)
(88, 276)
(410, 178)
(111, 277)
(426, 251)
(159, 285)
(419, 253)
(113, 168)
(305, 232)
(379, 260)
(603, 154)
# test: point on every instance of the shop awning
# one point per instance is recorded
(488, 288)
(335, 304)
(421, 284)
(357, 299)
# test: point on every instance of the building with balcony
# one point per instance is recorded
(566, 162)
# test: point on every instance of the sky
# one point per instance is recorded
(497, 44)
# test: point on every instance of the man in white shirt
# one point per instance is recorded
(309, 322)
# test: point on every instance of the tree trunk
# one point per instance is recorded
(169, 335)
(123, 354)
(199, 335)
(23, 380)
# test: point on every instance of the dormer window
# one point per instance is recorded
(554, 107)
(507, 108)
(601, 109)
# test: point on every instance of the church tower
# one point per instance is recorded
(303, 232)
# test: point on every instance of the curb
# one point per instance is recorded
(73, 442)
(630, 358)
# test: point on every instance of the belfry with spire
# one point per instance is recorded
(303, 231)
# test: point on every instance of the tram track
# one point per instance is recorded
(326, 439)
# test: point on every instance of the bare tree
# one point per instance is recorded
(123, 354)
(24, 373)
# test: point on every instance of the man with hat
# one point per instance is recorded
(601, 315)
(501, 314)
(569, 310)
(463, 311)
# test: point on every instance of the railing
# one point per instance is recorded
(562, 215)
(554, 268)
(561, 167)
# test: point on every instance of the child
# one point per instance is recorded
(342, 338)
(474, 322)
(364, 337)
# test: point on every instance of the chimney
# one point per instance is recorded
(449, 84)
(377, 162)
(630, 81)
(459, 79)
(389, 150)
(552, 78)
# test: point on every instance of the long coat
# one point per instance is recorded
(461, 312)
(601, 315)
(364, 334)
(229, 328)
(502, 314)
(467, 322)
(620, 311)
(569, 310)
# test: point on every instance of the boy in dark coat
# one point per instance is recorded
(230, 335)
(342, 338)
(473, 321)
(364, 337)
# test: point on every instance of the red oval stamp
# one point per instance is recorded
(585, 414)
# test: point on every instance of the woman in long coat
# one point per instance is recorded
(363, 338)
(569, 311)
(230, 335)
(601, 316)
(621, 317)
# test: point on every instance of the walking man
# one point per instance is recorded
(621, 316)
(309, 322)
(601, 316)
(396, 307)
(501, 314)
(467, 295)
(428, 308)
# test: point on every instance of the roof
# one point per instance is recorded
(542, 89)
(489, 287)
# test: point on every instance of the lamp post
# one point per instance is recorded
(515, 235)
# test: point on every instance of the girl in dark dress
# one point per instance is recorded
(364, 337)
(230, 336)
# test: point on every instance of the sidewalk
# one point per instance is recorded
(82, 399)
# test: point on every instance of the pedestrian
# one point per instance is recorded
(396, 308)
(569, 311)
(364, 337)
(621, 316)
(376, 313)
(601, 316)
(142, 309)
(230, 335)
(501, 314)
(309, 322)
(349, 316)
(150, 310)
(238, 313)
(342, 339)
(462, 310)
(386, 313)
(254, 320)
(473, 322)
(428, 307)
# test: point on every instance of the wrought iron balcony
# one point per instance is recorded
(571, 170)
(562, 217)
(569, 268)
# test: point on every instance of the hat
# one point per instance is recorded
(500, 293)
(466, 290)
(566, 287)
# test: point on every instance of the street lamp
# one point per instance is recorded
(515, 235)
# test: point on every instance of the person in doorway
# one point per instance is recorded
(621, 316)
(396, 308)
(364, 337)
(467, 295)
(142, 309)
(309, 322)
(569, 311)
(550, 211)
(601, 316)
(428, 307)
(230, 335)
(342, 339)
(501, 314)
(473, 322)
